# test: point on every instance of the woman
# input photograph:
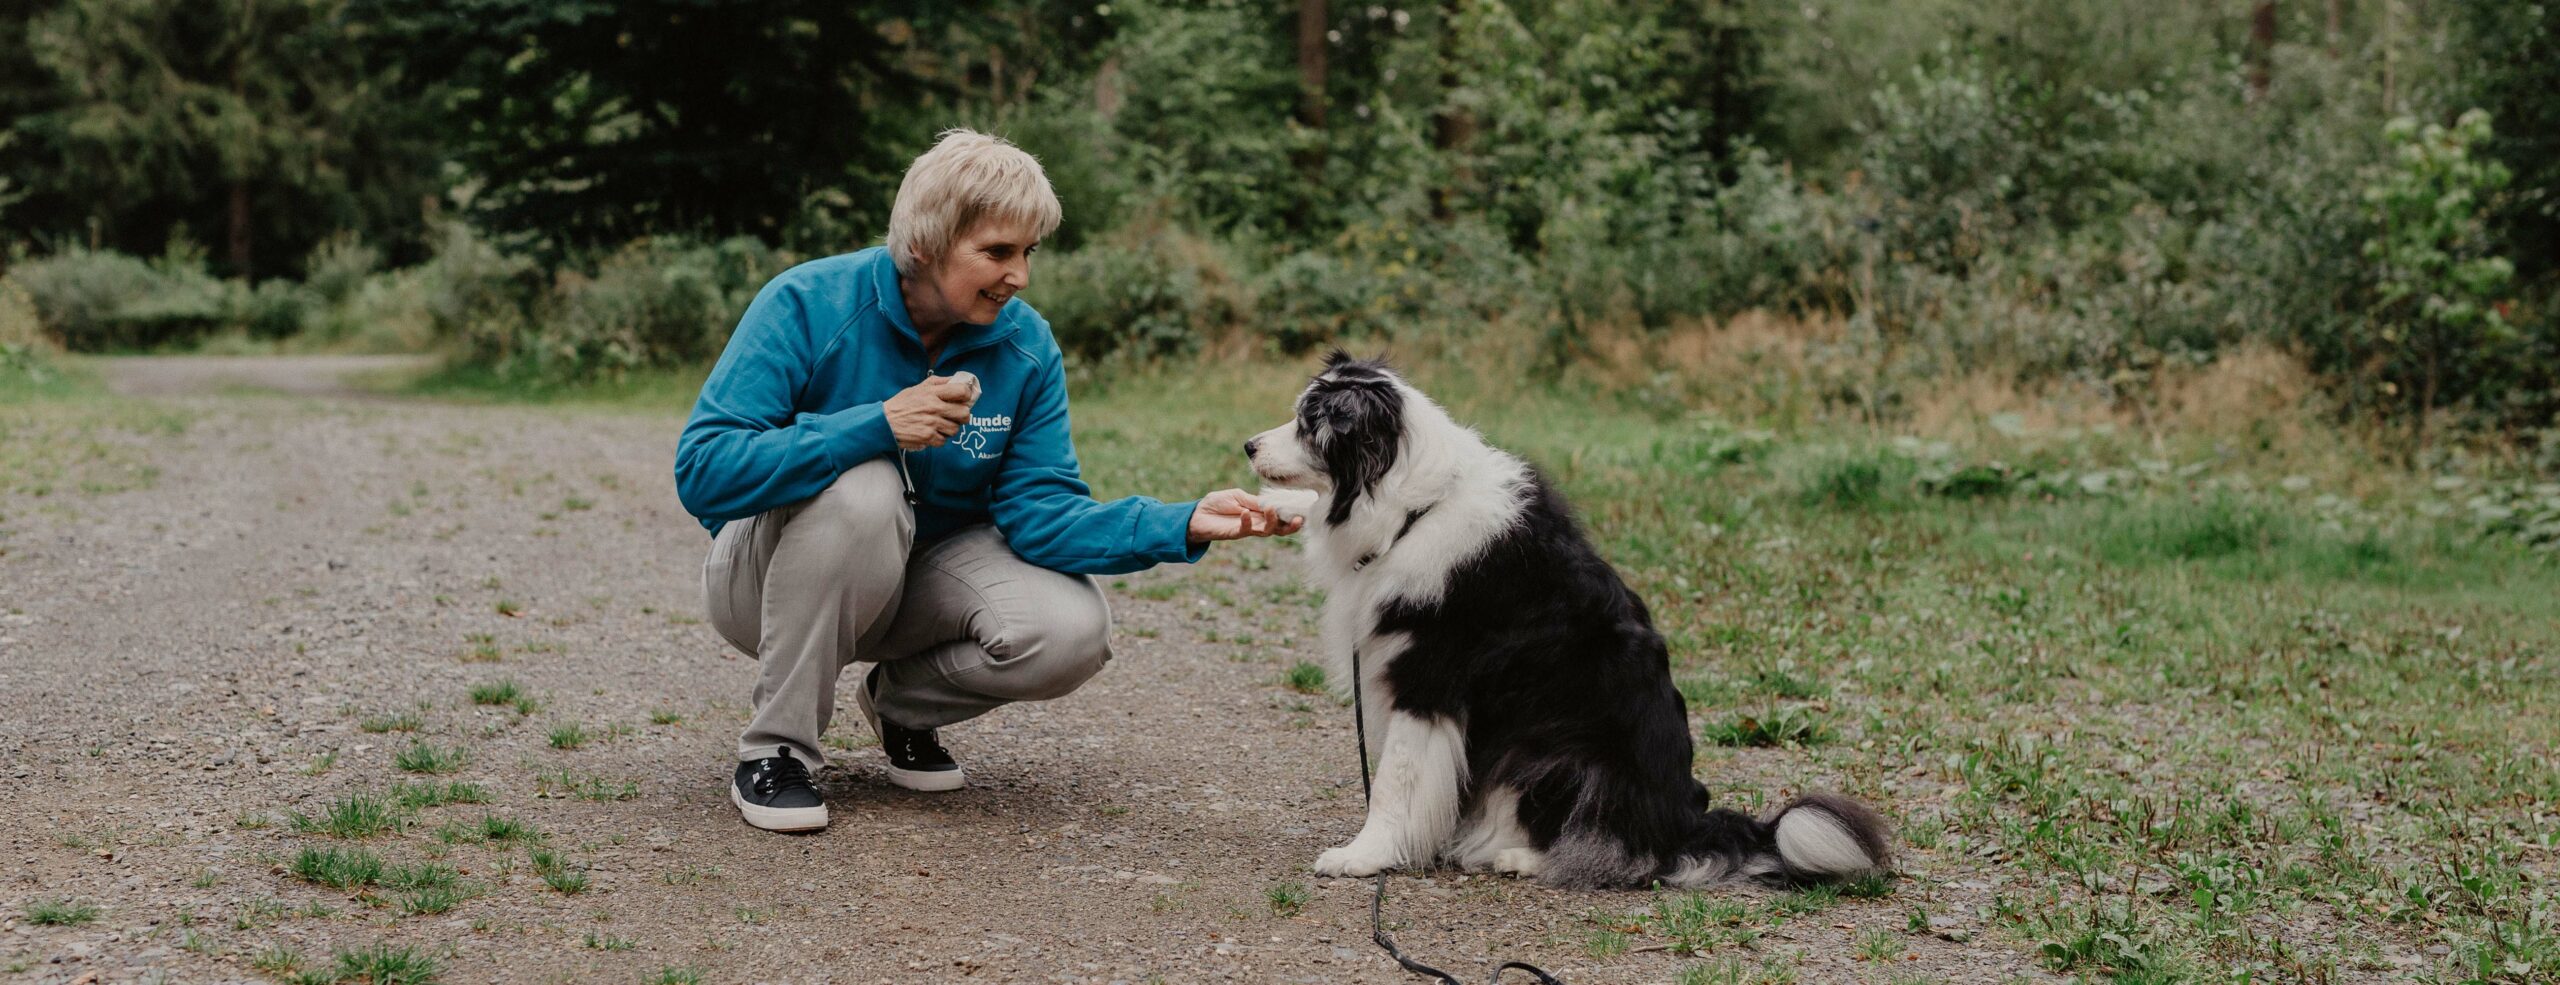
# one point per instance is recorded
(882, 455)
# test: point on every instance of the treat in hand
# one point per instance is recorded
(969, 380)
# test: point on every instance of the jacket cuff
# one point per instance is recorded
(1164, 534)
(854, 435)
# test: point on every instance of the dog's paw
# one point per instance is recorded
(1292, 504)
(1522, 862)
(1354, 861)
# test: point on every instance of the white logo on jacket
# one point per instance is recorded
(973, 438)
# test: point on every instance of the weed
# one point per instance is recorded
(381, 965)
(1287, 899)
(60, 913)
(1304, 677)
(402, 722)
(414, 796)
(424, 758)
(356, 816)
(338, 868)
(1786, 725)
(497, 693)
(569, 736)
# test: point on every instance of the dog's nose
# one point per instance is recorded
(1249, 444)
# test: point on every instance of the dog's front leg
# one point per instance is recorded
(1413, 801)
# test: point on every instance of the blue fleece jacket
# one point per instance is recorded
(797, 396)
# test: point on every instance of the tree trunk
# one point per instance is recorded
(2331, 38)
(1451, 128)
(240, 229)
(2262, 48)
(1311, 63)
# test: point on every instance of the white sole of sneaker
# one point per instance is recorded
(780, 818)
(928, 781)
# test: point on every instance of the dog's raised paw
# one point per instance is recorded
(1522, 862)
(1351, 860)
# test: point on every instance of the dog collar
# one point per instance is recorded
(1409, 520)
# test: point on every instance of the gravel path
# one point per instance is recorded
(189, 663)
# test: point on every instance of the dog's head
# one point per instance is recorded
(1349, 426)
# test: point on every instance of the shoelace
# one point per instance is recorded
(920, 746)
(787, 774)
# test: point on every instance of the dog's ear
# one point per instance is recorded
(1359, 426)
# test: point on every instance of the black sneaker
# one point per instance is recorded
(916, 759)
(773, 793)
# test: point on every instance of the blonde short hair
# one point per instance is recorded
(967, 178)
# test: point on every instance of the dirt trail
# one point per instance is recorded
(187, 664)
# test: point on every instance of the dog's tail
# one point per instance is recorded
(1815, 838)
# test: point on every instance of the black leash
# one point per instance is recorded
(1378, 901)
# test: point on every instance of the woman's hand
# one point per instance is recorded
(929, 413)
(1234, 514)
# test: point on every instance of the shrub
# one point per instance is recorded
(476, 296)
(97, 300)
(1145, 290)
(655, 303)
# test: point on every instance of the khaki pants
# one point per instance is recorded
(960, 628)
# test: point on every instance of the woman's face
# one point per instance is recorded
(984, 269)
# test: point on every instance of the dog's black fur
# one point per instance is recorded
(1559, 682)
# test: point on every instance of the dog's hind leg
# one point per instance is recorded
(1413, 802)
(1492, 838)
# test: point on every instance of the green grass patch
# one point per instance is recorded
(402, 722)
(414, 796)
(60, 913)
(382, 964)
(355, 816)
(337, 868)
(1304, 677)
(431, 759)
(568, 736)
(497, 693)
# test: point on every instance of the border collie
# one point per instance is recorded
(1516, 698)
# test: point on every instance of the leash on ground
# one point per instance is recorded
(1378, 901)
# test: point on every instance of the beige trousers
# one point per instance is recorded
(959, 628)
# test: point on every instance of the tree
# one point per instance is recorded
(592, 122)
(2438, 275)
(245, 116)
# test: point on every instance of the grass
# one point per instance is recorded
(2253, 700)
(382, 965)
(1287, 899)
(430, 759)
(402, 722)
(60, 913)
(414, 796)
(497, 693)
(568, 736)
(337, 868)
(1304, 677)
(355, 816)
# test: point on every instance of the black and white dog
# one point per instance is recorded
(1517, 700)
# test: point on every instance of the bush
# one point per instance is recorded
(478, 297)
(1144, 290)
(23, 345)
(96, 301)
(654, 304)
